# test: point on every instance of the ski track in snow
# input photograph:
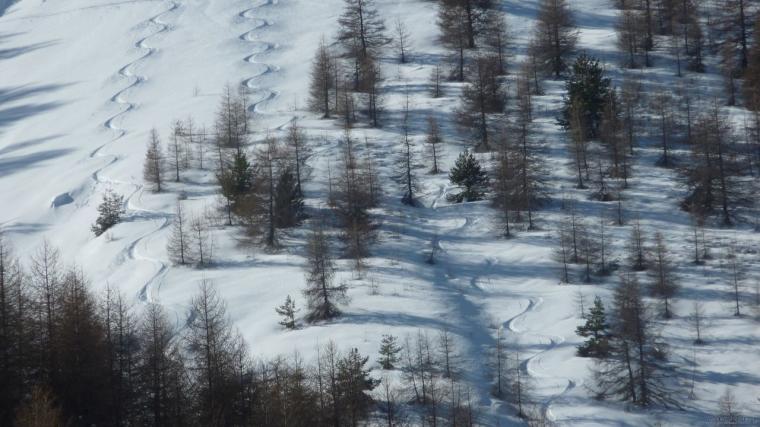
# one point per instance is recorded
(465, 305)
(262, 95)
(533, 364)
(149, 291)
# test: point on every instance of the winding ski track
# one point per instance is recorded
(473, 317)
(261, 94)
(149, 290)
(549, 342)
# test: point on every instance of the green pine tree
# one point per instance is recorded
(287, 200)
(110, 211)
(288, 313)
(235, 181)
(389, 351)
(596, 331)
(468, 174)
(353, 387)
(586, 87)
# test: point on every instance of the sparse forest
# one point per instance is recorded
(427, 213)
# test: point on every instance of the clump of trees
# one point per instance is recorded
(714, 173)
(356, 191)
(70, 357)
(341, 77)
(467, 24)
(635, 369)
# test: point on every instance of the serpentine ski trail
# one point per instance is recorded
(262, 95)
(148, 291)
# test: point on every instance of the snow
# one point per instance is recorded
(84, 81)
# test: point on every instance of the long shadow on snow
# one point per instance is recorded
(10, 94)
(13, 52)
(26, 144)
(11, 165)
(12, 115)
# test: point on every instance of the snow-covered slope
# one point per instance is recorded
(84, 81)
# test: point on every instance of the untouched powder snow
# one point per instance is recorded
(84, 81)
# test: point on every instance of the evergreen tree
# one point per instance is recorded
(288, 312)
(587, 87)
(470, 176)
(288, 202)
(596, 330)
(110, 211)
(389, 350)
(235, 181)
(354, 383)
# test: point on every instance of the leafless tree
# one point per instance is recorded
(638, 254)
(176, 149)
(662, 107)
(698, 321)
(178, 245)
(202, 241)
(556, 36)
(664, 283)
(436, 79)
(434, 140)
(322, 83)
(714, 173)
(736, 273)
(401, 39)
(321, 291)
(153, 168)
(496, 39)
(214, 347)
(482, 96)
